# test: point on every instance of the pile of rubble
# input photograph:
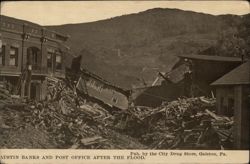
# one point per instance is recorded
(179, 125)
(67, 120)
(14, 132)
(6, 98)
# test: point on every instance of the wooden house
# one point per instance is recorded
(232, 99)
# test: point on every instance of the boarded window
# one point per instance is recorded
(58, 61)
(2, 55)
(13, 56)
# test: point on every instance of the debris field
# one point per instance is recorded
(69, 120)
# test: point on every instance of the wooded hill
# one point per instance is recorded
(130, 49)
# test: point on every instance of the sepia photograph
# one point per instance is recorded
(125, 75)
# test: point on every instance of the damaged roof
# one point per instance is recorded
(212, 58)
(174, 76)
(85, 72)
(239, 75)
(178, 73)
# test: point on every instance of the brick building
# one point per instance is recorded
(29, 55)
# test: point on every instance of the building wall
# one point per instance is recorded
(24, 36)
(8, 43)
(156, 95)
(225, 98)
(28, 38)
(241, 116)
(240, 111)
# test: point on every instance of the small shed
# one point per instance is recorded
(232, 95)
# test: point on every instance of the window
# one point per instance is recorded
(49, 60)
(58, 61)
(13, 56)
(33, 31)
(33, 56)
(2, 55)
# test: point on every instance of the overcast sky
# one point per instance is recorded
(55, 13)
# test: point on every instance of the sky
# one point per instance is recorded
(65, 12)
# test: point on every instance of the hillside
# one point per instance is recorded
(130, 49)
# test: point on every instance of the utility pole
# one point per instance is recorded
(41, 54)
(21, 82)
(23, 37)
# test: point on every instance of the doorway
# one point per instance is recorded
(35, 91)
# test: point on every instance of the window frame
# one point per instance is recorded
(58, 65)
(15, 56)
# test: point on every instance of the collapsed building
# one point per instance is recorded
(206, 69)
(190, 77)
(92, 86)
(96, 87)
(225, 78)
(29, 55)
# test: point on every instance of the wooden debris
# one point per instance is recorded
(92, 140)
(74, 123)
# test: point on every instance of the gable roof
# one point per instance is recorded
(212, 58)
(239, 75)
